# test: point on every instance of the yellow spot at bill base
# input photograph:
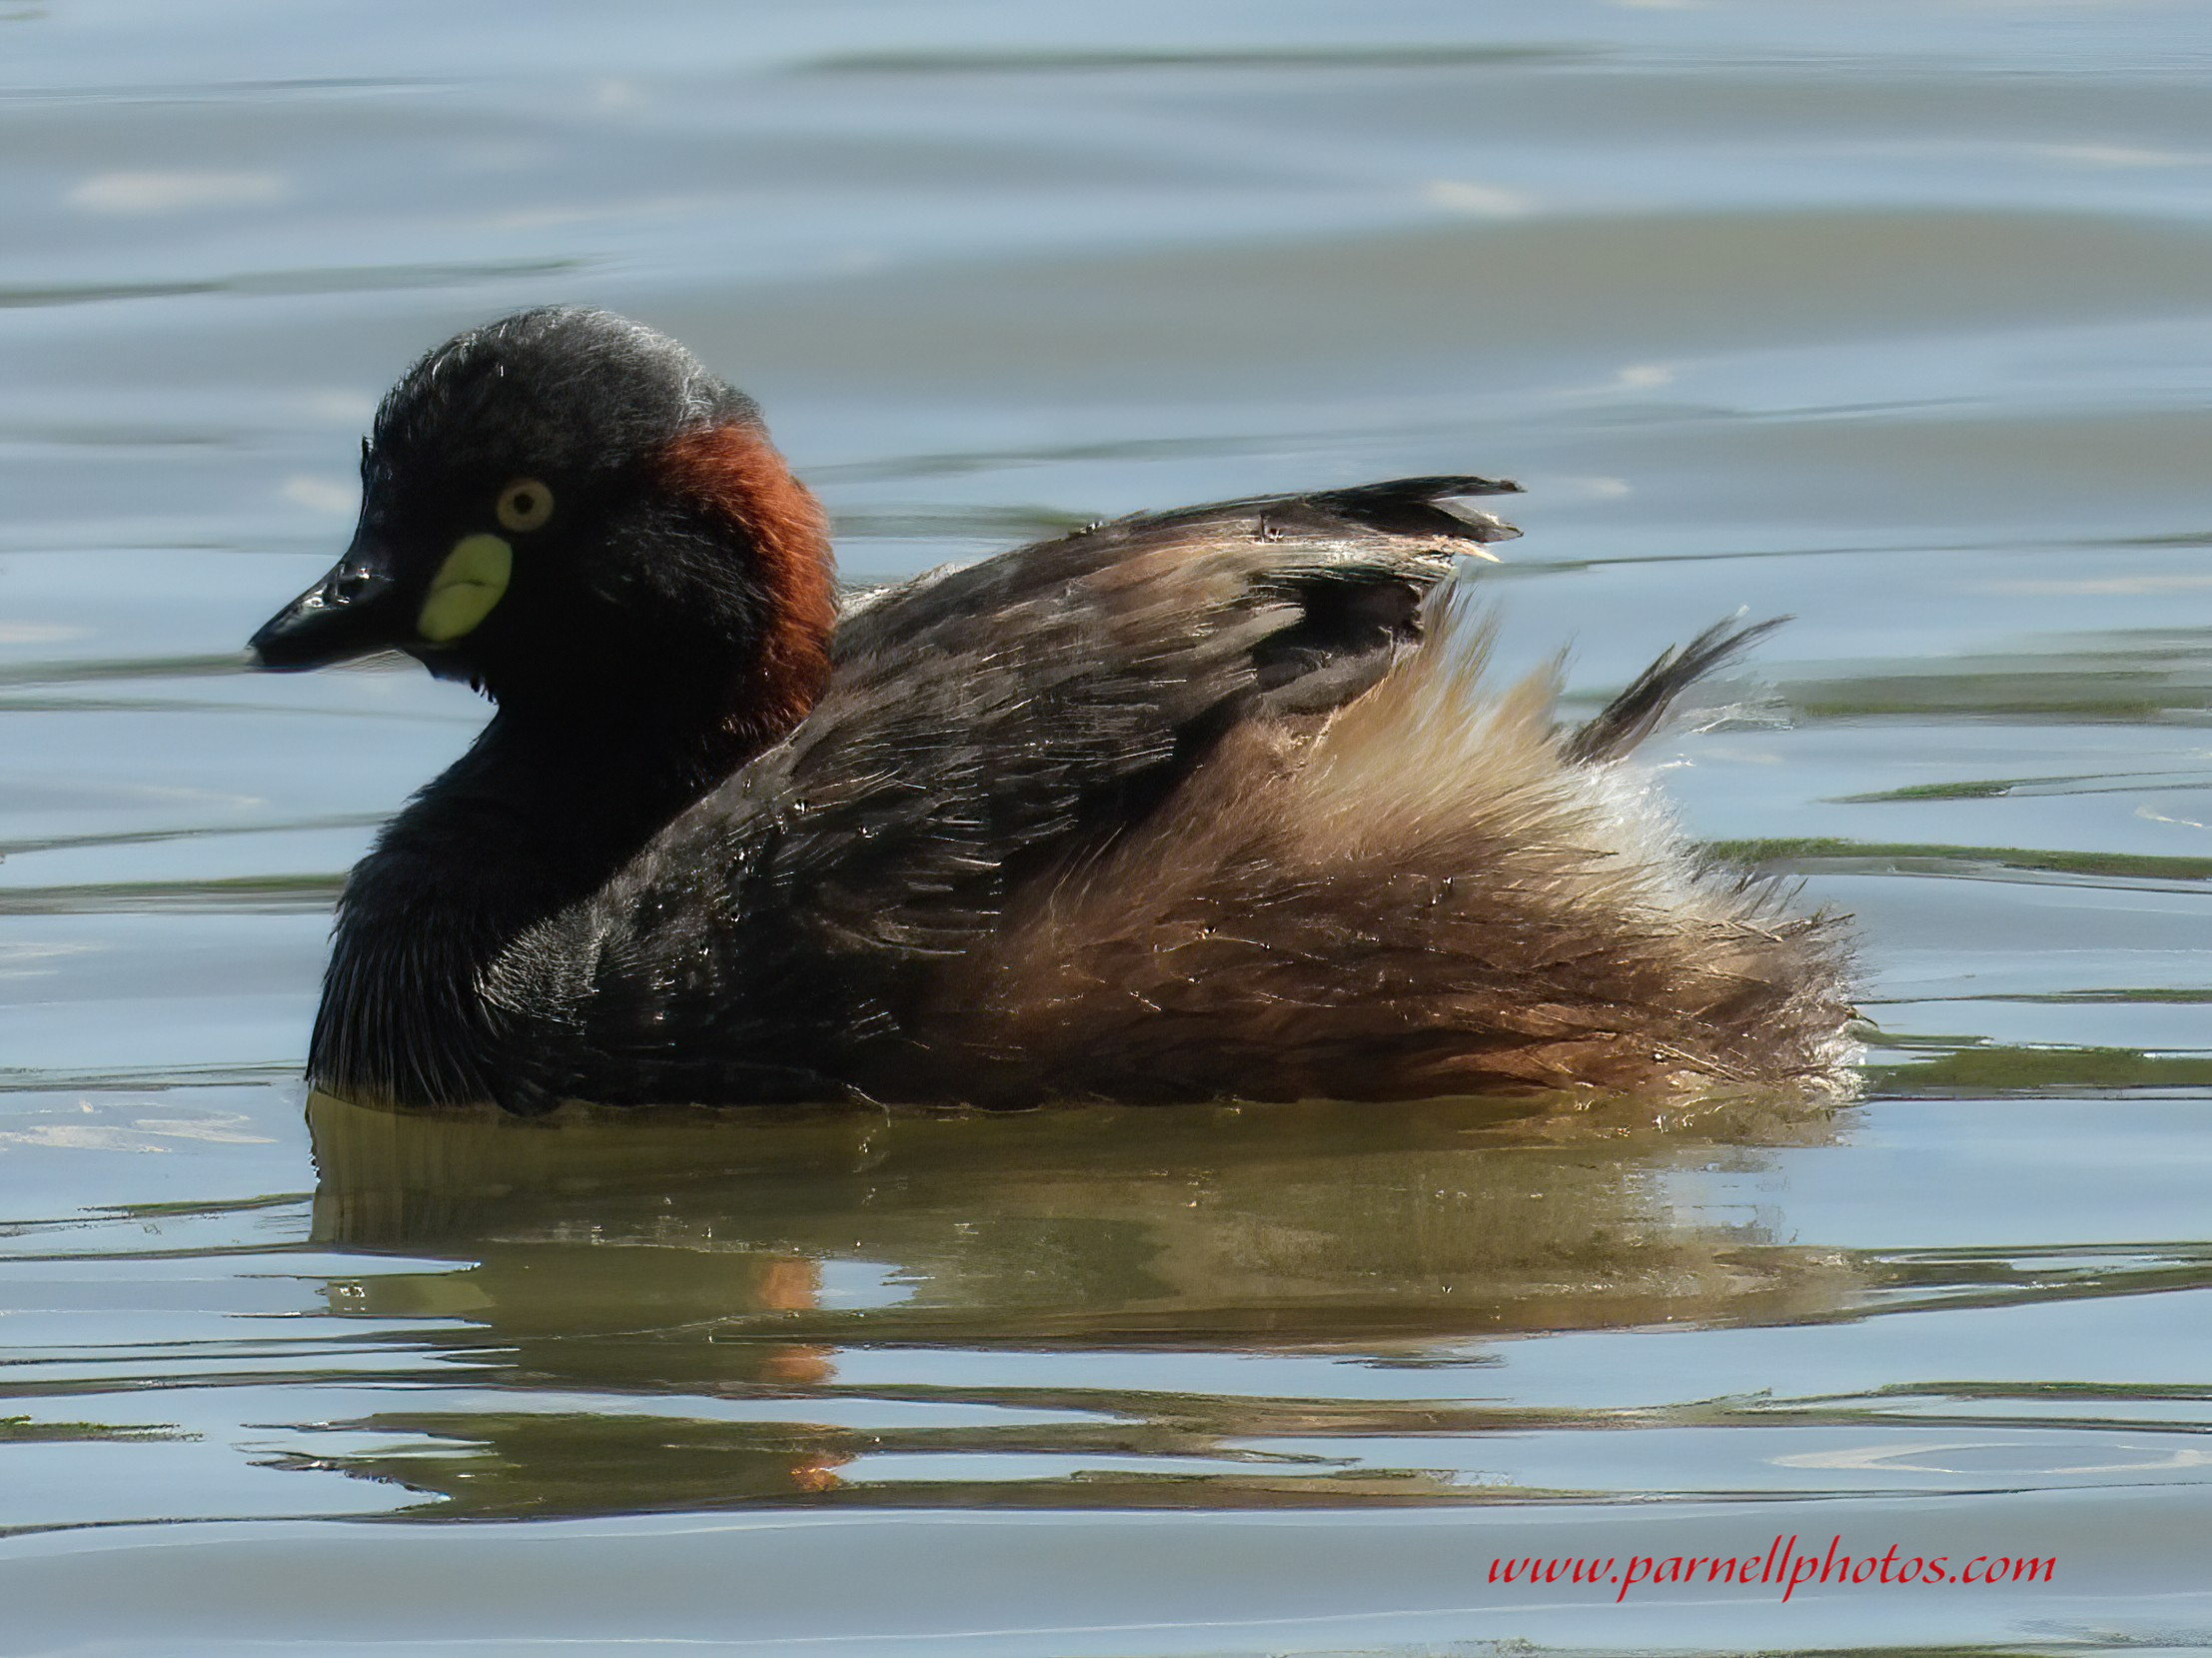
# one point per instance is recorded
(470, 581)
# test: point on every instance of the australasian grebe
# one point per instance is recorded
(1199, 805)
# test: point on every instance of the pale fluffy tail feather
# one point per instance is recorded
(1427, 888)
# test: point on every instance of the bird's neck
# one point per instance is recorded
(539, 813)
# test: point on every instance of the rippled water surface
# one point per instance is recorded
(1891, 316)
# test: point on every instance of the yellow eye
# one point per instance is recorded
(524, 503)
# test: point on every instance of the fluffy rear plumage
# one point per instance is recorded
(1435, 891)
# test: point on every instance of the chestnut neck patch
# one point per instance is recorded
(734, 474)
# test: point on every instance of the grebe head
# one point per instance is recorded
(561, 504)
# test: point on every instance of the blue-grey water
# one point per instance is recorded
(1891, 316)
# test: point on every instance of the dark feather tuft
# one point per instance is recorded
(1639, 711)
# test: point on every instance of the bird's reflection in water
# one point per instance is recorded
(662, 1302)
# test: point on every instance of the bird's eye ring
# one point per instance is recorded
(524, 503)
